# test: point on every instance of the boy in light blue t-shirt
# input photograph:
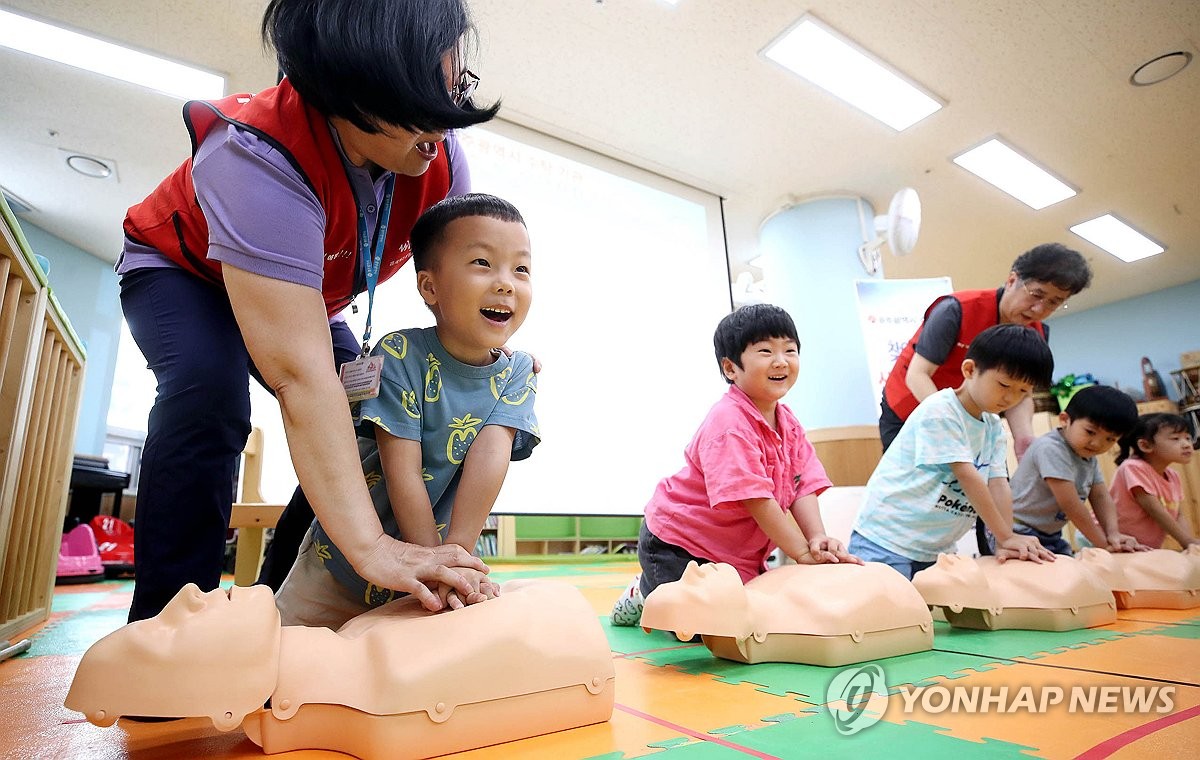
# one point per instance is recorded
(948, 464)
(452, 411)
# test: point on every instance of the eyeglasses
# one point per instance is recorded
(1049, 303)
(462, 92)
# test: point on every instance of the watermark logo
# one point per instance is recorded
(977, 700)
(854, 687)
(858, 697)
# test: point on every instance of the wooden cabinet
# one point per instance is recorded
(849, 454)
(41, 366)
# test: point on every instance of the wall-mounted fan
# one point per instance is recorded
(898, 229)
(747, 290)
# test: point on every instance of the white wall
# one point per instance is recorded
(86, 287)
(1109, 341)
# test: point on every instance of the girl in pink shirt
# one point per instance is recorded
(1146, 491)
(751, 478)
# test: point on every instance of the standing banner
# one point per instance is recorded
(890, 311)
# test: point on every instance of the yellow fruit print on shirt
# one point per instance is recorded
(408, 401)
(499, 379)
(433, 379)
(322, 551)
(376, 595)
(425, 476)
(517, 397)
(464, 431)
(396, 345)
(373, 479)
(377, 422)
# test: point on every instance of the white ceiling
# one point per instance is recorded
(684, 91)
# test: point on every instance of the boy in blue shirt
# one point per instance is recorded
(1059, 476)
(949, 461)
(452, 409)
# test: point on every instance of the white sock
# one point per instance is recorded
(628, 609)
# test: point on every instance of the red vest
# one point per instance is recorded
(170, 219)
(979, 312)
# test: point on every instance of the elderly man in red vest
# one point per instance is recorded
(1041, 281)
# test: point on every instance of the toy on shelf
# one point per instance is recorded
(1067, 386)
(985, 594)
(395, 682)
(78, 557)
(812, 614)
(1152, 382)
(1160, 578)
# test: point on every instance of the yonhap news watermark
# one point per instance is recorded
(858, 697)
(1038, 699)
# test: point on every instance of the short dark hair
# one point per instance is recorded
(1146, 427)
(747, 325)
(1056, 264)
(429, 227)
(374, 62)
(1108, 407)
(1017, 350)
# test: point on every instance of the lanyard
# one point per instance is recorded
(373, 258)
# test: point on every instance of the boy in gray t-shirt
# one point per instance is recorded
(451, 410)
(1059, 476)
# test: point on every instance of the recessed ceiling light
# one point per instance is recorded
(89, 167)
(1160, 69)
(839, 66)
(998, 164)
(79, 50)
(1117, 237)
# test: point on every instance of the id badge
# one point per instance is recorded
(360, 378)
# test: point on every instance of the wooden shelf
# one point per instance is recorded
(41, 365)
(563, 534)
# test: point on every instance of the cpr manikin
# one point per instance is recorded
(812, 614)
(1159, 578)
(983, 593)
(397, 681)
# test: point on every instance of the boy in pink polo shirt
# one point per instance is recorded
(751, 478)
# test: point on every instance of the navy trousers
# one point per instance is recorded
(197, 428)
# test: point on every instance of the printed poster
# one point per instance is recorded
(890, 311)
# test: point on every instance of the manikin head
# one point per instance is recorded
(183, 658)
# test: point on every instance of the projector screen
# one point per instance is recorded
(630, 278)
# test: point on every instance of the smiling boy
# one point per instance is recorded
(751, 477)
(949, 462)
(452, 411)
(1059, 476)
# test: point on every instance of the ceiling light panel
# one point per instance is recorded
(1000, 165)
(842, 68)
(41, 39)
(1117, 237)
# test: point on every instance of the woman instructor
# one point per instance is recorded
(1038, 284)
(294, 201)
